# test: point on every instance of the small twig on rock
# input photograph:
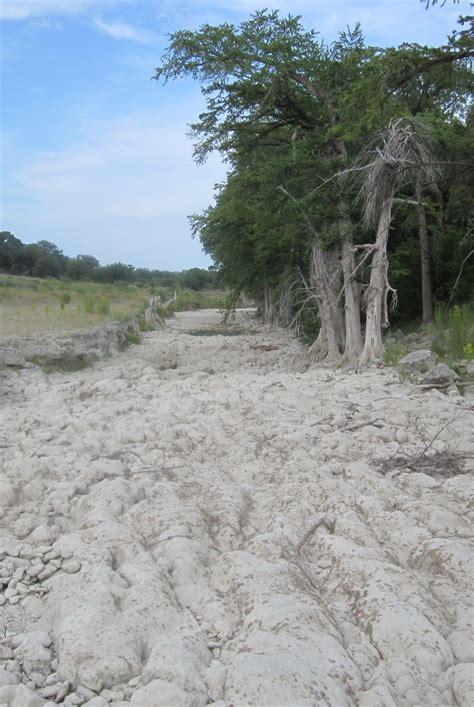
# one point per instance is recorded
(352, 428)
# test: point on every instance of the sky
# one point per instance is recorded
(95, 156)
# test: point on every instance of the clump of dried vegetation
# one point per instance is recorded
(428, 457)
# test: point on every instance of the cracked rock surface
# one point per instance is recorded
(200, 521)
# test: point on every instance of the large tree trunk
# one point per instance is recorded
(353, 344)
(426, 293)
(269, 310)
(378, 288)
(325, 282)
(285, 306)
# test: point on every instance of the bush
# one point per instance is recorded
(453, 331)
(394, 353)
(103, 307)
(133, 336)
(89, 305)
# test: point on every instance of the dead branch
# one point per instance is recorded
(428, 460)
(459, 276)
(353, 428)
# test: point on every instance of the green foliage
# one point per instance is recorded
(133, 336)
(103, 307)
(90, 304)
(393, 353)
(289, 114)
(453, 331)
(468, 351)
(66, 364)
(97, 305)
(44, 259)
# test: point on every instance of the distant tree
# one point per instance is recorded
(49, 248)
(195, 279)
(144, 275)
(10, 251)
(115, 272)
(47, 265)
(53, 261)
(82, 267)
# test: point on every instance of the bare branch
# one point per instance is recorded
(459, 276)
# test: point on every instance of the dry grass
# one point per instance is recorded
(31, 306)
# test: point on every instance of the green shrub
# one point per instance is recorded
(103, 307)
(89, 305)
(133, 336)
(469, 351)
(394, 353)
(453, 331)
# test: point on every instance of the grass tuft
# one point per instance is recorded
(453, 332)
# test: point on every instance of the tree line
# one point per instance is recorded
(45, 259)
(349, 194)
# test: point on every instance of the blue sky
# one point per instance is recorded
(95, 156)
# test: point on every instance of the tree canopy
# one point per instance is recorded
(292, 116)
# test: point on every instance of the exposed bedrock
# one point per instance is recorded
(225, 531)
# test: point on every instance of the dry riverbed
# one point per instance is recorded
(200, 520)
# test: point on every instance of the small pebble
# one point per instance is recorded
(35, 569)
(28, 553)
(97, 702)
(13, 666)
(38, 679)
(74, 699)
(47, 572)
(50, 690)
(43, 549)
(65, 690)
(85, 692)
(8, 678)
(6, 652)
(71, 566)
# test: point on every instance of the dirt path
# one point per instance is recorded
(196, 522)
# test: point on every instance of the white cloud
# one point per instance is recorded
(24, 9)
(122, 30)
(122, 193)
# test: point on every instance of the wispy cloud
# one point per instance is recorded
(123, 192)
(122, 30)
(25, 9)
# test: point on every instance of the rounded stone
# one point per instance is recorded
(71, 566)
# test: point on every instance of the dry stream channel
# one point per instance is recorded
(202, 520)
